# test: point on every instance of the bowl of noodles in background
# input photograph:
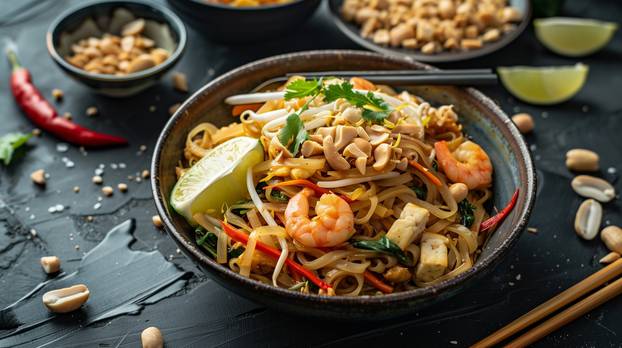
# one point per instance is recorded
(482, 119)
(244, 21)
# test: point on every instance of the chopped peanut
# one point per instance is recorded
(432, 26)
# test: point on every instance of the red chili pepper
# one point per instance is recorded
(305, 183)
(274, 253)
(41, 113)
(494, 220)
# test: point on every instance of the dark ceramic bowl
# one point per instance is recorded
(352, 30)
(481, 117)
(93, 18)
(227, 24)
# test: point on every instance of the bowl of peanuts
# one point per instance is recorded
(432, 31)
(117, 48)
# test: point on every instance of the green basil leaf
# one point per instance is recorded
(386, 246)
(293, 134)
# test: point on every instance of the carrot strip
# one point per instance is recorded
(493, 221)
(436, 181)
(274, 253)
(305, 183)
(377, 283)
(239, 109)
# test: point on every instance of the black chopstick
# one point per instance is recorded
(461, 77)
(363, 73)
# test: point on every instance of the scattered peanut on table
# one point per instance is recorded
(432, 26)
(118, 55)
(612, 237)
(157, 221)
(582, 160)
(50, 264)
(593, 187)
(151, 337)
(588, 218)
(524, 122)
(38, 177)
(67, 299)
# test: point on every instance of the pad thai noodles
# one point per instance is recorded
(361, 190)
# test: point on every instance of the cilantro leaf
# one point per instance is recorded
(293, 134)
(303, 88)
(374, 108)
(9, 143)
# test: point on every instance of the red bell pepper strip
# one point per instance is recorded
(306, 183)
(494, 220)
(274, 253)
(43, 114)
(377, 283)
(239, 109)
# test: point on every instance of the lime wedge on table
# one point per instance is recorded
(543, 85)
(573, 37)
(216, 179)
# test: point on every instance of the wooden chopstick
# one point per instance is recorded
(571, 294)
(575, 311)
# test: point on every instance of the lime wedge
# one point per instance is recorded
(543, 85)
(216, 179)
(573, 37)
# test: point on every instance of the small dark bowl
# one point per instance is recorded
(227, 24)
(481, 117)
(172, 33)
(352, 31)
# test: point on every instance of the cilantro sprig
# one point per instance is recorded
(374, 108)
(293, 134)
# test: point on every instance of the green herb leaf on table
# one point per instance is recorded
(293, 134)
(465, 208)
(9, 143)
(374, 108)
(303, 88)
(386, 246)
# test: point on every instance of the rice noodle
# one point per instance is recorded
(250, 185)
(251, 98)
(353, 181)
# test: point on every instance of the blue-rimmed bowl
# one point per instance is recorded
(94, 18)
(483, 120)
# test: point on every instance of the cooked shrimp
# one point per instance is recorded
(468, 164)
(333, 225)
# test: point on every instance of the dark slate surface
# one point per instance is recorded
(203, 314)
